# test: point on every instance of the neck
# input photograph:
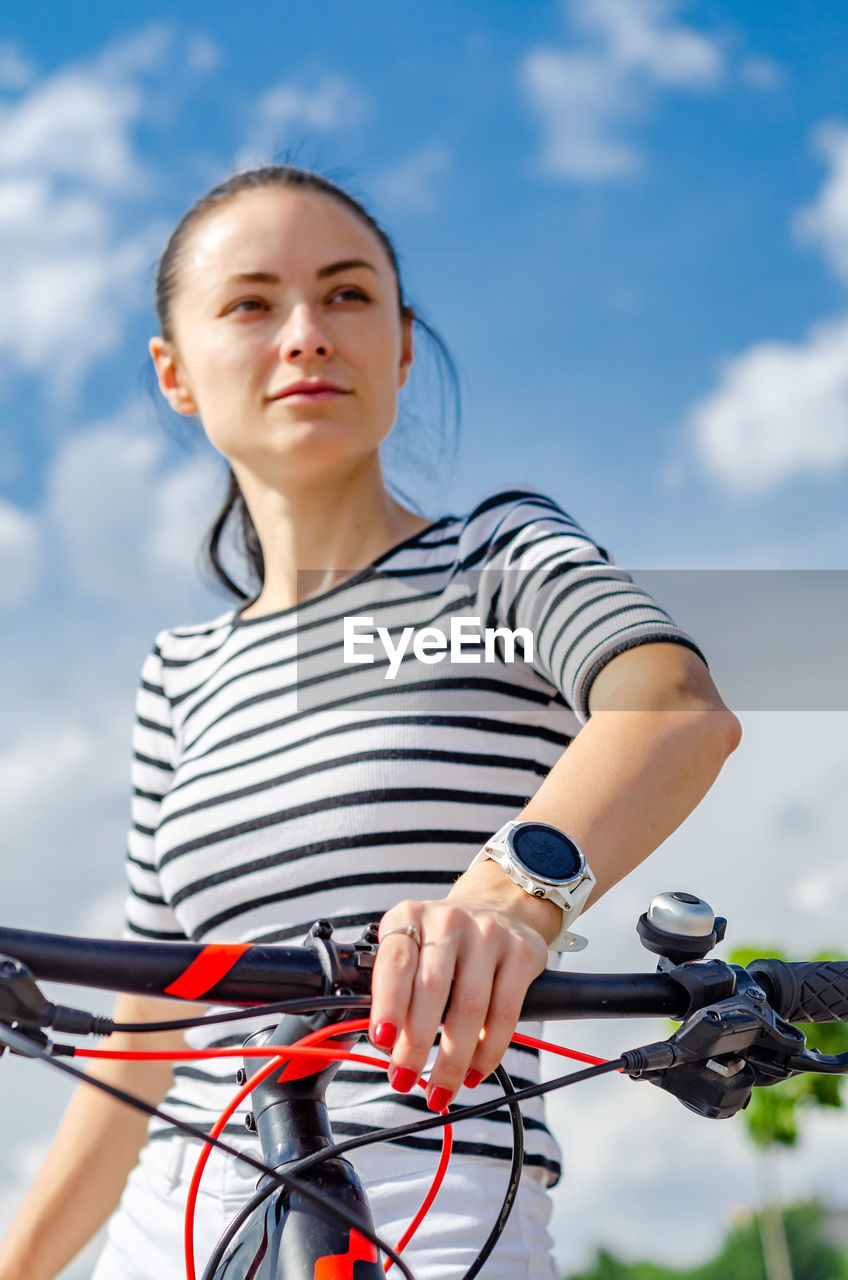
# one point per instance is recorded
(314, 537)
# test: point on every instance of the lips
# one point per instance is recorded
(309, 389)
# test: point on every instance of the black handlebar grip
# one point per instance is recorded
(814, 991)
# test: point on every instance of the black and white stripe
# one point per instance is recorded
(274, 785)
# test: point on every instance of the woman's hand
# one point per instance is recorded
(481, 946)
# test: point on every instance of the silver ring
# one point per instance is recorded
(409, 929)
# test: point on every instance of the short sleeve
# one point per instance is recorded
(148, 915)
(544, 573)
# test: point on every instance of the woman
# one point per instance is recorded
(280, 777)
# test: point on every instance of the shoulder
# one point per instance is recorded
(514, 515)
(181, 646)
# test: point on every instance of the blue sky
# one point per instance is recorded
(628, 219)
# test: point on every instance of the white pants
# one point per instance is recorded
(145, 1234)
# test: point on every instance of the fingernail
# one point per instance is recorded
(385, 1034)
(439, 1099)
(472, 1078)
(402, 1079)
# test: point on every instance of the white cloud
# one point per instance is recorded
(824, 223)
(69, 283)
(411, 185)
(334, 103)
(202, 54)
(286, 112)
(779, 410)
(588, 97)
(16, 71)
(125, 525)
(76, 234)
(36, 763)
(20, 556)
(762, 73)
(75, 126)
(142, 52)
(581, 101)
(67, 161)
(642, 35)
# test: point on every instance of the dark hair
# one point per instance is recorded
(167, 273)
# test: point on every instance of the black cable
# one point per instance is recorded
(233, 1229)
(491, 1240)
(455, 1116)
(511, 1099)
(23, 1045)
(451, 1117)
(514, 1175)
(313, 1004)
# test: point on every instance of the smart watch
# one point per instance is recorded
(544, 862)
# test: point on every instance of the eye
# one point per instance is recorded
(350, 291)
(245, 305)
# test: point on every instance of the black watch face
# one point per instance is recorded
(546, 852)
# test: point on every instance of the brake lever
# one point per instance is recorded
(22, 1001)
(23, 1005)
(720, 1052)
(812, 1060)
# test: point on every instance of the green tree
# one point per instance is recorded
(740, 1256)
(812, 1256)
(774, 1118)
(775, 1113)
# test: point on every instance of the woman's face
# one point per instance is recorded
(279, 287)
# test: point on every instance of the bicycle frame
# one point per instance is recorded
(286, 1235)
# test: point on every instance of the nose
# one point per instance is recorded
(302, 336)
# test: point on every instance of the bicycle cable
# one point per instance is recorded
(278, 1060)
(511, 1099)
(311, 1005)
(22, 1044)
(517, 1157)
(491, 1240)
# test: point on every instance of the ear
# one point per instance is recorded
(406, 348)
(172, 382)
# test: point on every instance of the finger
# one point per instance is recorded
(393, 975)
(469, 1005)
(471, 1062)
(431, 987)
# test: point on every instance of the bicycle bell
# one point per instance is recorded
(679, 927)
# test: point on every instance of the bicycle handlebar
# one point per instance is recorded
(256, 974)
(245, 974)
(806, 991)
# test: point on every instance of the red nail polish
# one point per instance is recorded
(385, 1034)
(472, 1078)
(439, 1099)
(402, 1079)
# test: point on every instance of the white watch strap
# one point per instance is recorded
(565, 940)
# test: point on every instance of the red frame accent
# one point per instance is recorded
(207, 969)
(339, 1266)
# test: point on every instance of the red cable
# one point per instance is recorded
(194, 1055)
(305, 1048)
(435, 1187)
(547, 1047)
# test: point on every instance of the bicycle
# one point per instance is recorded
(309, 1218)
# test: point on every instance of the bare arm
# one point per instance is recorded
(656, 740)
(96, 1146)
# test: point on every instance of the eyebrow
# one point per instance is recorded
(268, 277)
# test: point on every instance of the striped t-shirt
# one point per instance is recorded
(280, 777)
